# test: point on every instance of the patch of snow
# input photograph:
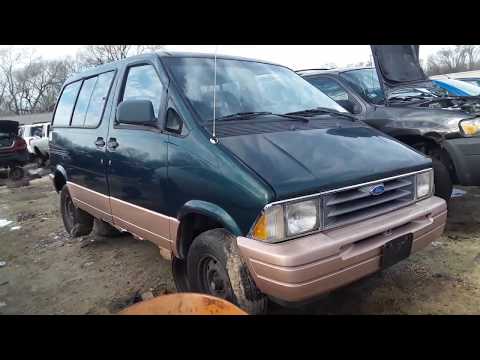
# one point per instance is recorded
(15, 228)
(4, 222)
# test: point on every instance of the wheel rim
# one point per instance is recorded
(214, 278)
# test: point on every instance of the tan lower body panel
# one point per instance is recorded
(91, 201)
(142, 223)
(312, 265)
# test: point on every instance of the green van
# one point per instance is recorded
(255, 183)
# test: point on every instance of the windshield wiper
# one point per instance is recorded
(253, 114)
(321, 110)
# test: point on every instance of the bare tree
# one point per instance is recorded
(28, 83)
(93, 55)
(459, 58)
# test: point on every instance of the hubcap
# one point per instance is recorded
(214, 278)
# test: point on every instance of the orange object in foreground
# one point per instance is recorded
(183, 304)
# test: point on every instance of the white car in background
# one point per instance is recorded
(37, 137)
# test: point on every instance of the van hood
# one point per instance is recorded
(399, 66)
(302, 162)
(9, 126)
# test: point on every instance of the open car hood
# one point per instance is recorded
(9, 126)
(399, 66)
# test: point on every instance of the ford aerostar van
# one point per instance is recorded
(262, 203)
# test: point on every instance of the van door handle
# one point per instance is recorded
(112, 144)
(100, 142)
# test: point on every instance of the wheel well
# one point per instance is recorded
(59, 181)
(191, 226)
(431, 148)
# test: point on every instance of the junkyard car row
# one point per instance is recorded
(259, 183)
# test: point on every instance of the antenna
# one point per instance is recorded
(214, 139)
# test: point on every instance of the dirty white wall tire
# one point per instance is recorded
(221, 245)
(76, 221)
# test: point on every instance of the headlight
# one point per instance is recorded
(424, 184)
(279, 222)
(470, 127)
(301, 217)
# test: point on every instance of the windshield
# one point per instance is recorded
(365, 82)
(470, 89)
(244, 86)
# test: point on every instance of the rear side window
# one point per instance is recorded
(82, 102)
(98, 99)
(143, 83)
(66, 104)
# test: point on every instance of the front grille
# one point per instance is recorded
(356, 204)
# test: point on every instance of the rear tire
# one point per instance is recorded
(443, 181)
(76, 221)
(40, 161)
(102, 228)
(16, 173)
(214, 267)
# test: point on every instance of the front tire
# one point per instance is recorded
(214, 267)
(76, 221)
(443, 181)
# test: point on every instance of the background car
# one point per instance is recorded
(31, 132)
(40, 147)
(474, 80)
(397, 98)
(455, 87)
(13, 149)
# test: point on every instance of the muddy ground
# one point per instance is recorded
(46, 272)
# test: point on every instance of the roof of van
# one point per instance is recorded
(162, 54)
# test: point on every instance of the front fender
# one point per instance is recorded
(213, 211)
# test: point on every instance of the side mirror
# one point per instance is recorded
(136, 112)
(351, 106)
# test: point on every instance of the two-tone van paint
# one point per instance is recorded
(279, 203)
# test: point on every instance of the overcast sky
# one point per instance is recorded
(294, 56)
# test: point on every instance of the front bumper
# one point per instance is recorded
(465, 154)
(309, 266)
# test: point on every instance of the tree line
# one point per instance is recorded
(451, 60)
(30, 84)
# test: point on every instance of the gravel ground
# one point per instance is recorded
(44, 271)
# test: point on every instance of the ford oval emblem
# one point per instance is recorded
(377, 190)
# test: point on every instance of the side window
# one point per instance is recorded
(143, 83)
(91, 100)
(65, 104)
(331, 88)
(98, 99)
(174, 123)
(82, 102)
(36, 131)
